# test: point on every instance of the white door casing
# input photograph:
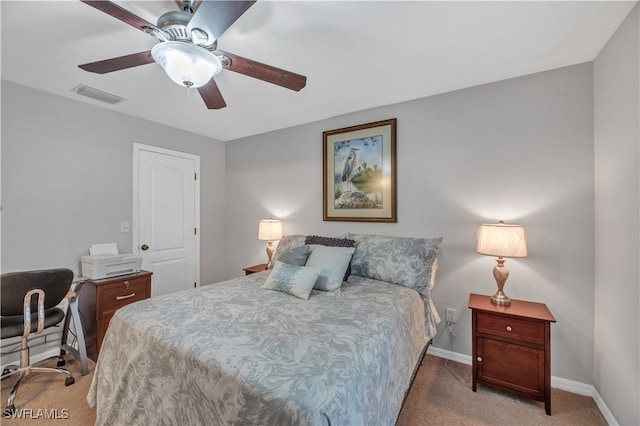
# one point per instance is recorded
(166, 216)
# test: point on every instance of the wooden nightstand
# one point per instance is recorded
(255, 268)
(511, 347)
(98, 300)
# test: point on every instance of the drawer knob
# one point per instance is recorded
(509, 328)
(479, 359)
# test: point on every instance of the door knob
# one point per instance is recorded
(144, 247)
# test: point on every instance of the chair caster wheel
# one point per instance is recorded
(61, 362)
(6, 371)
(9, 411)
(69, 381)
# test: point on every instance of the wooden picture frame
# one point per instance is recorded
(359, 173)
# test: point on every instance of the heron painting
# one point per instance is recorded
(348, 166)
(359, 171)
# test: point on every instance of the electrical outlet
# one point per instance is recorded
(450, 315)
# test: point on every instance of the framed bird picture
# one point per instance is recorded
(359, 167)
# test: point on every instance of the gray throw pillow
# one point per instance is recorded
(296, 256)
(287, 243)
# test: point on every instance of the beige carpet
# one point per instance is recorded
(43, 399)
(436, 398)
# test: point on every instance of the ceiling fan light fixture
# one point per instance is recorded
(185, 63)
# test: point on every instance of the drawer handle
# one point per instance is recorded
(509, 328)
(479, 359)
(125, 297)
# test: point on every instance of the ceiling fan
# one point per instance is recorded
(187, 48)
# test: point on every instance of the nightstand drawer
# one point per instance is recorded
(117, 295)
(511, 328)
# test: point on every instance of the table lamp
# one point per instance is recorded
(270, 230)
(502, 241)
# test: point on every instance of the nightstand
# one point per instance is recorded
(512, 347)
(99, 299)
(255, 268)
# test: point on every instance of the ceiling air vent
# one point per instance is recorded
(90, 92)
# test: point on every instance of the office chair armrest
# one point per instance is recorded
(27, 311)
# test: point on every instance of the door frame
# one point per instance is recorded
(137, 147)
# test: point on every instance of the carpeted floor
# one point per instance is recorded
(436, 398)
(43, 399)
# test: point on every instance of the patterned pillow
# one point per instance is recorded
(295, 280)
(296, 256)
(333, 262)
(329, 241)
(287, 243)
(332, 242)
(405, 261)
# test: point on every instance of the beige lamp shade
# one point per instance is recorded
(270, 230)
(501, 240)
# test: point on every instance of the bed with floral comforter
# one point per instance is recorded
(236, 353)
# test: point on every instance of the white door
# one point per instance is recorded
(166, 216)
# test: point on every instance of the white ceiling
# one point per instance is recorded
(356, 54)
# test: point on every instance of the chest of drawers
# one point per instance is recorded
(98, 300)
(511, 347)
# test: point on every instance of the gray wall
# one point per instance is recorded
(67, 180)
(519, 150)
(617, 218)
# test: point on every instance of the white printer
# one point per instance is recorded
(104, 261)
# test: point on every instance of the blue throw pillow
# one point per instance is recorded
(297, 281)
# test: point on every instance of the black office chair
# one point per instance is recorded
(29, 305)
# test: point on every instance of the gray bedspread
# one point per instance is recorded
(233, 353)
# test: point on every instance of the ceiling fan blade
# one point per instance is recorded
(264, 72)
(214, 17)
(124, 15)
(211, 95)
(120, 63)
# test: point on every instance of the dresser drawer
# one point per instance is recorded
(99, 299)
(511, 328)
(116, 295)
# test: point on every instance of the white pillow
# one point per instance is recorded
(333, 261)
(295, 280)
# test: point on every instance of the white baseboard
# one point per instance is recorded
(556, 382)
(453, 356)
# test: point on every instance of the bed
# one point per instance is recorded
(236, 352)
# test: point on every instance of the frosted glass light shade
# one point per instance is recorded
(270, 230)
(185, 63)
(501, 240)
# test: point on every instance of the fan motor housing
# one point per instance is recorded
(175, 23)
